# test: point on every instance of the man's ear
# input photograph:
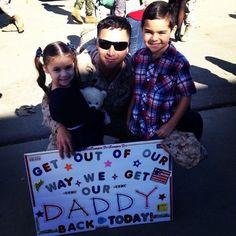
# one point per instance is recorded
(128, 47)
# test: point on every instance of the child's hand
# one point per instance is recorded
(165, 130)
(64, 143)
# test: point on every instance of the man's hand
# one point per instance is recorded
(64, 143)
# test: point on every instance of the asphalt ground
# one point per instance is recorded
(203, 197)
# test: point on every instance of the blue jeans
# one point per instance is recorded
(136, 40)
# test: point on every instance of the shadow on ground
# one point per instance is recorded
(225, 65)
(74, 39)
(58, 9)
(217, 91)
(19, 129)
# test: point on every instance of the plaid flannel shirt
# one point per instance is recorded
(158, 87)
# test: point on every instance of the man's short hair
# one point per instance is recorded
(114, 22)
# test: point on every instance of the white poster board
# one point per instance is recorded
(103, 186)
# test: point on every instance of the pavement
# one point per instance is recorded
(204, 197)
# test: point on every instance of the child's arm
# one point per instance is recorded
(63, 138)
(47, 119)
(169, 126)
(64, 143)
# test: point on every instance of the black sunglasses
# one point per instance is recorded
(119, 46)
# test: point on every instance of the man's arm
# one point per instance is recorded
(130, 111)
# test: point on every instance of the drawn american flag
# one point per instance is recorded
(159, 175)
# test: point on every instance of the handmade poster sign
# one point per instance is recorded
(103, 186)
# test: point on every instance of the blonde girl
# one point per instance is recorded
(66, 102)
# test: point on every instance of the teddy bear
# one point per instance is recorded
(95, 98)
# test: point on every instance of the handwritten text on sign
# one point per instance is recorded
(102, 186)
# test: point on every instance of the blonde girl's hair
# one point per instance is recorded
(52, 50)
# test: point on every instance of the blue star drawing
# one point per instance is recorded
(78, 183)
(137, 163)
(162, 196)
(39, 214)
(114, 176)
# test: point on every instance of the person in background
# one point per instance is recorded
(163, 85)
(105, 65)
(89, 11)
(134, 18)
(66, 102)
(120, 7)
(16, 23)
(188, 19)
(184, 15)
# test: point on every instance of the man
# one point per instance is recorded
(134, 17)
(106, 65)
